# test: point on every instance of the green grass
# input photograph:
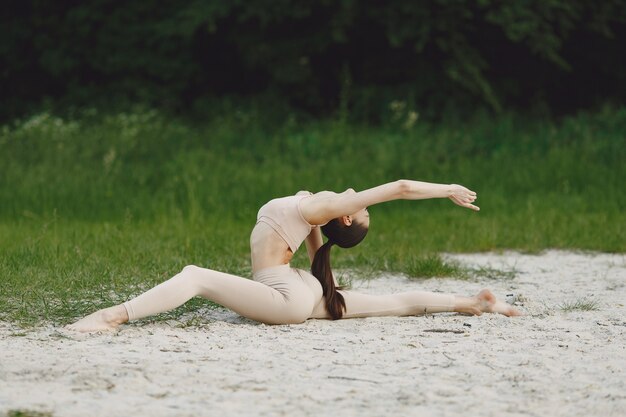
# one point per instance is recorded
(581, 304)
(98, 207)
(27, 413)
(433, 265)
(494, 273)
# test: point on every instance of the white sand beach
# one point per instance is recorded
(550, 362)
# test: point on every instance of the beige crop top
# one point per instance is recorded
(284, 216)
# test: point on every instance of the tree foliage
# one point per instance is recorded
(565, 54)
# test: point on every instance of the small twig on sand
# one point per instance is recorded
(332, 350)
(445, 331)
(352, 379)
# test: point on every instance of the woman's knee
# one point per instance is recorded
(196, 277)
(190, 269)
(190, 272)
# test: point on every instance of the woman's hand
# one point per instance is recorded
(463, 197)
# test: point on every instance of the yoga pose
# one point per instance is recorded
(279, 294)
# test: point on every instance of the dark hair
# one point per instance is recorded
(345, 237)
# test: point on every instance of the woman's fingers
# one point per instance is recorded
(465, 202)
(464, 197)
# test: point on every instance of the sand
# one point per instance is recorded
(548, 363)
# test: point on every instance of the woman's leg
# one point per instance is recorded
(288, 300)
(415, 303)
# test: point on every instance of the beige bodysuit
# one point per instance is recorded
(279, 294)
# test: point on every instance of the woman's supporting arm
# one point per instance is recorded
(313, 242)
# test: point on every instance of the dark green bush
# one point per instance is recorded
(438, 56)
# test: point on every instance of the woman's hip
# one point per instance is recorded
(290, 281)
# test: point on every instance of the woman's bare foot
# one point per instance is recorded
(484, 302)
(489, 304)
(101, 320)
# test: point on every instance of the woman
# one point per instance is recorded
(279, 294)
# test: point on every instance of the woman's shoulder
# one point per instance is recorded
(318, 194)
(325, 193)
(312, 206)
(303, 192)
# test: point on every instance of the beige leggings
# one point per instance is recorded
(277, 295)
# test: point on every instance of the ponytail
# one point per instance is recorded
(344, 237)
(320, 268)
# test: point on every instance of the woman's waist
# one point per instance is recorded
(267, 248)
(273, 270)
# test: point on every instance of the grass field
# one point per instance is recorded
(96, 207)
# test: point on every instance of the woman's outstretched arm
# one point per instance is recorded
(323, 207)
(462, 196)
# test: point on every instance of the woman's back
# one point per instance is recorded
(279, 232)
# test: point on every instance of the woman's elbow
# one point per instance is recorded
(403, 188)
